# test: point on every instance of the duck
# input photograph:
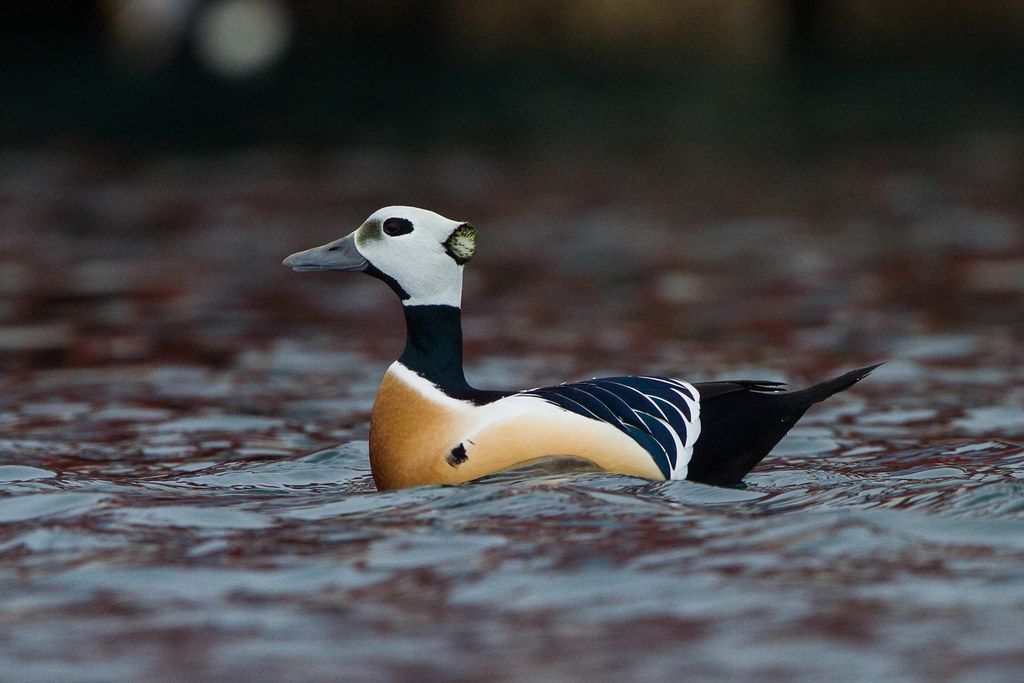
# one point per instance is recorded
(429, 426)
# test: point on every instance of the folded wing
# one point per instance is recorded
(662, 415)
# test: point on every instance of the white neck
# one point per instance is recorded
(445, 290)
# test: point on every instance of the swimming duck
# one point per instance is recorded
(429, 426)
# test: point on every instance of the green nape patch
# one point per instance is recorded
(461, 244)
(370, 231)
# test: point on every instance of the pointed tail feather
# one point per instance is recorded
(819, 392)
(739, 427)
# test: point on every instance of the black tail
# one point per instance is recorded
(742, 421)
(819, 392)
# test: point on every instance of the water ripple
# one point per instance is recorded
(860, 541)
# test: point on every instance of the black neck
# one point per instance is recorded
(433, 346)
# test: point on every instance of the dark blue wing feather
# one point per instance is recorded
(676, 415)
(651, 445)
(592, 403)
(612, 400)
(634, 398)
(563, 399)
(663, 437)
(655, 412)
(656, 386)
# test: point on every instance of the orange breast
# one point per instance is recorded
(410, 434)
(414, 428)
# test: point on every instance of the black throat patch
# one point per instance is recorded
(387, 279)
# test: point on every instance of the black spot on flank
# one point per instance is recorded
(457, 456)
(397, 226)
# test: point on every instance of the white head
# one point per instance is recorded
(419, 253)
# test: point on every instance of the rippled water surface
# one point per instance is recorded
(184, 486)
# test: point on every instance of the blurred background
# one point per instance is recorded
(755, 174)
(217, 73)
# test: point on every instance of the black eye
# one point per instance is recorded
(397, 226)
